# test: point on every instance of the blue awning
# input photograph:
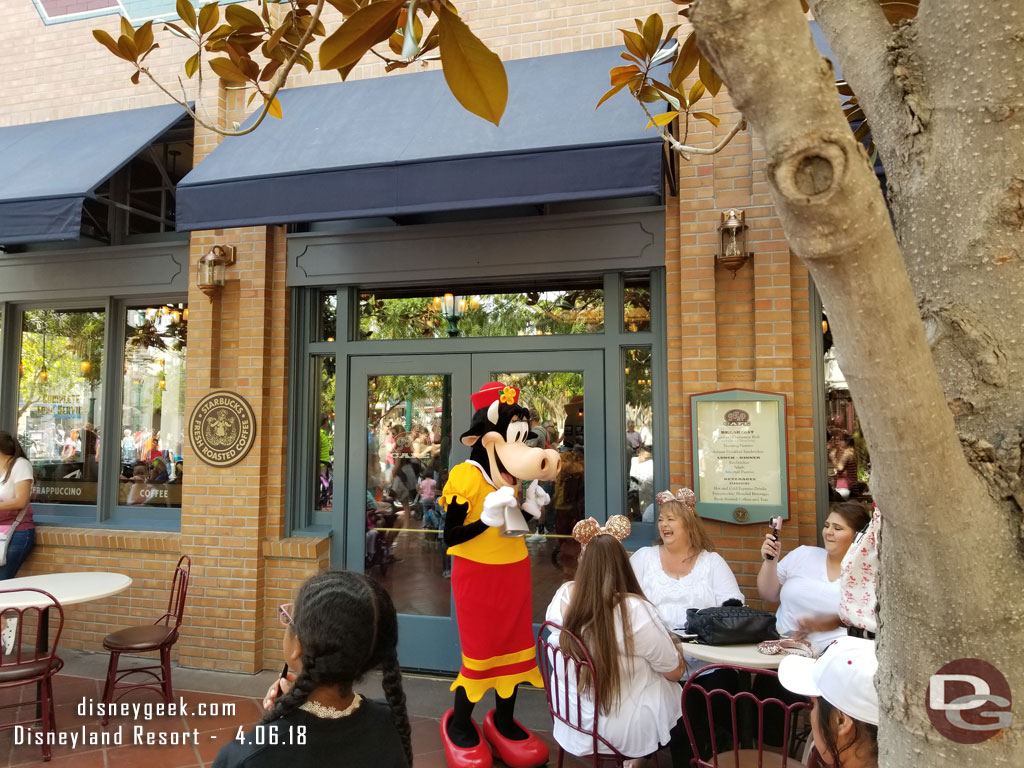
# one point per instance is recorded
(402, 144)
(47, 170)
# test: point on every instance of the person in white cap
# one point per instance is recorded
(844, 720)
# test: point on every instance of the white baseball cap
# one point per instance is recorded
(843, 675)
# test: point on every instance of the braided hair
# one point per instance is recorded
(347, 626)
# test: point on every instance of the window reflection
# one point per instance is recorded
(636, 304)
(323, 483)
(636, 372)
(327, 316)
(60, 402)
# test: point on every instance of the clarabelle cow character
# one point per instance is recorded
(491, 579)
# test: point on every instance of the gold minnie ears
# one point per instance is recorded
(585, 530)
(683, 496)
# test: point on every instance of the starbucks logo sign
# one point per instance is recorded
(222, 429)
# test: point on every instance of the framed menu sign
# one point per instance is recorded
(739, 455)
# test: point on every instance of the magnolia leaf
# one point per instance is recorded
(226, 69)
(176, 30)
(649, 94)
(662, 120)
(135, 77)
(634, 43)
(127, 47)
(270, 70)
(360, 32)
(274, 108)
(191, 65)
(252, 96)
(209, 17)
(242, 19)
(105, 39)
(709, 77)
(671, 33)
(224, 30)
(670, 95)
(307, 61)
(144, 36)
(713, 119)
(473, 72)
(347, 7)
(149, 51)
(278, 33)
(186, 12)
(126, 28)
(686, 60)
(622, 75)
(250, 68)
(696, 92)
(610, 93)
(653, 28)
(630, 57)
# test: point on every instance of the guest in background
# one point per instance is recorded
(15, 510)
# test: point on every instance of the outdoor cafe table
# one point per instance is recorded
(737, 655)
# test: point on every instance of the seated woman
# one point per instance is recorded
(805, 582)
(341, 626)
(844, 719)
(634, 657)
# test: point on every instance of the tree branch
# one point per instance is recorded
(858, 34)
(684, 149)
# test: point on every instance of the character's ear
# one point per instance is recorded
(470, 440)
(492, 412)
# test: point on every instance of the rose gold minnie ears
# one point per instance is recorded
(683, 496)
(585, 530)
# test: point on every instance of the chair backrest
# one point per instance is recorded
(742, 706)
(179, 590)
(23, 645)
(563, 679)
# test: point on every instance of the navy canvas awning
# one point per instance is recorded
(402, 144)
(47, 170)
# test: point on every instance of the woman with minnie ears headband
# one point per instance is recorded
(844, 719)
(634, 656)
(341, 626)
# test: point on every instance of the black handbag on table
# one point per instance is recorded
(730, 625)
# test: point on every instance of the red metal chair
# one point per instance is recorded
(159, 636)
(746, 711)
(562, 674)
(33, 663)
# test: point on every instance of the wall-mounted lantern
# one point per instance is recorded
(732, 233)
(212, 269)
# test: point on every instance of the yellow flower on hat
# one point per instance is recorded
(508, 396)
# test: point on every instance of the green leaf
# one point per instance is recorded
(186, 12)
(360, 32)
(274, 108)
(242, 19)
(713, 119)
(209, 17)
(226, 69)
(610, 93)
(662, 120)
(695, 92)
(686, 60)
(634, 43)
(622, 75)
(127, 47)
(104, 38)
(653, 28)
(144, 36)
(191, 65)
(709, 77)
(474, 73)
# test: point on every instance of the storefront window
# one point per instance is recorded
(849, 463)
(569, 309)
(153, 407)
(636, 373)
(327, 316)
(636, 304)
(60, 402)
(323, 448)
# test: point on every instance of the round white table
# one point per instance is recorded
(739, 655)
(68, 588)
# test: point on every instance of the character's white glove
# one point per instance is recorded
(536, 498)
(495, 505)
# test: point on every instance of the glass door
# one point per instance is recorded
(406, 415)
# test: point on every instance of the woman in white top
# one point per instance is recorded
(15, 512)
(634, 656)
(805, 582)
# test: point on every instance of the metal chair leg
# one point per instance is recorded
(108, 687)
(165, 662)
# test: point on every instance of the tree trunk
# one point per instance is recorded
(943, 96)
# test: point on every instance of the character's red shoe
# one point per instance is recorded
(528, 753)
(464, 757)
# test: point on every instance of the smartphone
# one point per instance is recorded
(776, 526)
(284, 676)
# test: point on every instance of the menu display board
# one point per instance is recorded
(739, 452)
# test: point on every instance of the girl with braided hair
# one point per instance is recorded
(341, 626)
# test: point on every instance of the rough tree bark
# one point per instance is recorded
(941, 402)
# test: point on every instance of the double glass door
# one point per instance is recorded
(414, 409)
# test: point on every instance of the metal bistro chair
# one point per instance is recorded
(29, 664)
(159, 636)
(559, 669)
(745, 711)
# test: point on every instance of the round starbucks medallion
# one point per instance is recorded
(222, 429)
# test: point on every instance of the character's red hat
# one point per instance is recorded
(494, 391)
